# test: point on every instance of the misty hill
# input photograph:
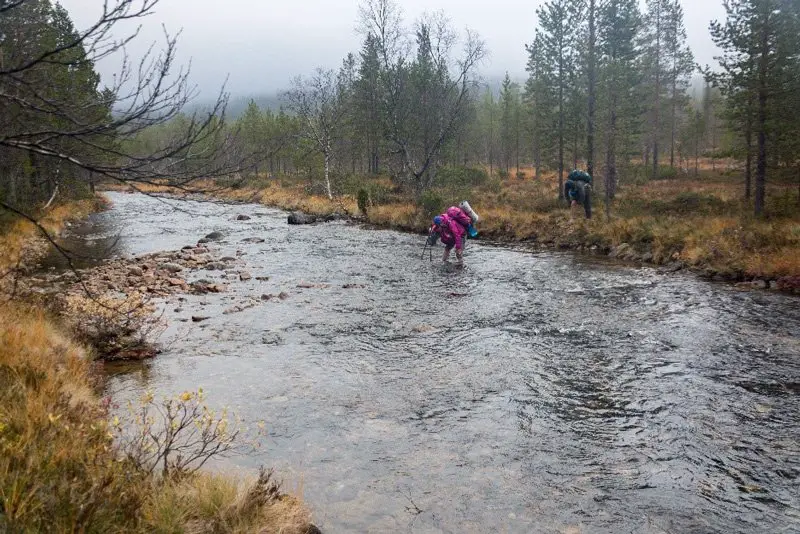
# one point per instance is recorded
(238, 104)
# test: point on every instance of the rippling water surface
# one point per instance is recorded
(527, 392)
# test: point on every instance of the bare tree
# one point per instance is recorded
(318, 102)
(93, 134)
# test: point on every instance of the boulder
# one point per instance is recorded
(214, 236)
(759, 284)
(135, 271)
(215, 266)
(199, 318)
(297, 217)
(242, 217)
(171, 267)
(618, 252)
(227, 259)
(253, 240)
(245, 276)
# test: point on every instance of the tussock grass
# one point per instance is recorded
(60, 470)
(21, 241)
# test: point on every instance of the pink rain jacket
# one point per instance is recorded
(454, 226)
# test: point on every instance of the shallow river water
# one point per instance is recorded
(527, 392)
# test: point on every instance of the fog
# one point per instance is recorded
(259, 46)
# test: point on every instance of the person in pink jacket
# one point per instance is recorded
(452, 229)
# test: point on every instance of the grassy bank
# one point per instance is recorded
(700, 223)
(61, 472)
(64, 467)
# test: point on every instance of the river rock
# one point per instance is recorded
(199, 318)
(647, 257)
(674, 267)
(759, 284)
(298, 217)
(262, 278)
(214, 236)
(175, 282)
(272, 338)
(244, 276)
(242, 217)
(227, 259)
(171, 267)
(215, 266)
(253, 240)
(133, 270)
(311, 285)
(617, 252)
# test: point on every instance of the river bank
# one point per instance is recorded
(698, 225)
(65, 463)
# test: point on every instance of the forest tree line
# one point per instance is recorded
(608, 88)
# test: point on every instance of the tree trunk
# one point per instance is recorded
(674, 115)
(591, 103)
(657, 97)
(516, 127)
(748, 166)
(561, 126)
(611, 159)
(327, 173)
(761, 161)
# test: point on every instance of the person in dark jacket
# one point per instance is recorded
(578, 190)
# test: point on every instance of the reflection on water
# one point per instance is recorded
(524, 393)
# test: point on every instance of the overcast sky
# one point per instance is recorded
(260, 45)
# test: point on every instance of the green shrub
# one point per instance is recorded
(430, 202)
(363, 201)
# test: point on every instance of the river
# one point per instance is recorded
(527, 392)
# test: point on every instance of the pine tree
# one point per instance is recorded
(760, 46)
(557, 49)
(680, 64)
(509, 123)
(656, 22)
(619, 27)
(368, 101)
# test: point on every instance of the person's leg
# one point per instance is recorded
(446, 253)
(460, 255)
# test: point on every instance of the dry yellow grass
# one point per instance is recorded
(60, 472)
(22, 238)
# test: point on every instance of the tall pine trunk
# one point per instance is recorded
(674, 116)
(748, 141)
(657, 96)
(761, 161)
(611, 157)
(592, 86)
